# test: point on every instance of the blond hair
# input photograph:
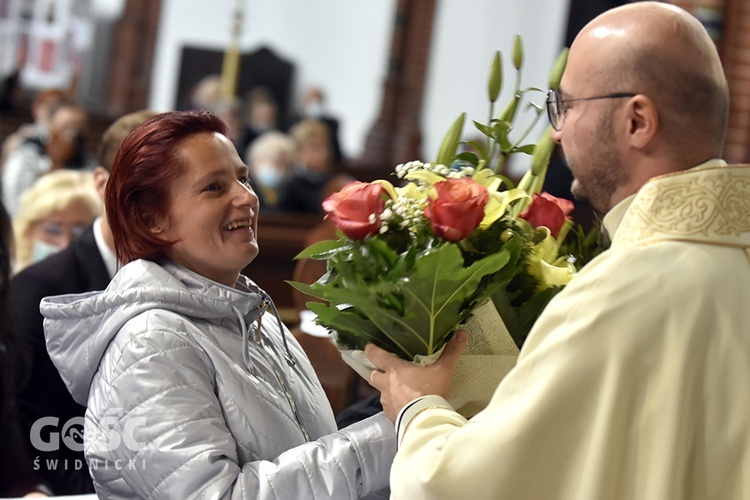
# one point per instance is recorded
(308, 128)
(51, 192)
(271, 145)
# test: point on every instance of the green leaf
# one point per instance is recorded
(302, 287)
(322, 249)
(414, 314)
(450, 141)
(480, 148)
(527, 148)
(485, 129)
(468, 157)
(353, 331)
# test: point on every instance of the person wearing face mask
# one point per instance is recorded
(52, 213)
(261, 116)
(313, 168)
(313, 107)
(87, 264)
(270, 159)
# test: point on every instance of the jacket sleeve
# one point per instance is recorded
(160, 433)
(21, 169)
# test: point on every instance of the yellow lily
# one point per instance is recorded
(545, 265)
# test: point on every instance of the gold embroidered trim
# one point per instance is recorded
(711, 205)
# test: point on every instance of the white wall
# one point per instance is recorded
(467, 34)
(343, 46)
(340, 45)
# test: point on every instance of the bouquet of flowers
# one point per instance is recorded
(447, 242)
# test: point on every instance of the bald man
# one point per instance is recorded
(633, 383)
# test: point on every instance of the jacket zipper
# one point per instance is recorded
(292, 403)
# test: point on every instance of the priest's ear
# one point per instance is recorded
(642, 121)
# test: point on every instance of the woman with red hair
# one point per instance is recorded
(194, 386)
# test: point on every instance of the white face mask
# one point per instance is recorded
(41, 250)
(269, 176)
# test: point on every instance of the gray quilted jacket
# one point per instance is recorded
(186, 399)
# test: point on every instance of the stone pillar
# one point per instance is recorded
(132, 56)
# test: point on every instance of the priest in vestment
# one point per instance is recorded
(633, 383)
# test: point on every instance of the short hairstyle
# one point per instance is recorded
(116, 133)
(271, 145)
(145, 166)
(49, 193)
(206, 93)
(305, 129)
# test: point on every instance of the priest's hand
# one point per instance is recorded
(401, 382)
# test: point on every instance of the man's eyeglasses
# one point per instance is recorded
(556, 105)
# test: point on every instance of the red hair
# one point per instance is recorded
(146, 165)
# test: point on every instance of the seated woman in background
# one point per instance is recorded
(193, 385)
(313, 168)
(270, 158)
(57, 208)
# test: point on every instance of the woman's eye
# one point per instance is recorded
(212, 187)
(244, 180)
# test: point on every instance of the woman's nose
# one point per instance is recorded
(245, 194)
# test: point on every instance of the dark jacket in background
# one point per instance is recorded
(79, 268)
(302, 191)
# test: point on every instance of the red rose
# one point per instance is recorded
(458, 208)
(548, 211)
(356, 209)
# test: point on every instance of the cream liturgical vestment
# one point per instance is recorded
(635, 381)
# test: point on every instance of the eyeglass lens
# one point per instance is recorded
(554, 109)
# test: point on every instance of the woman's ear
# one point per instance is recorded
(155, 225)
(643, 121)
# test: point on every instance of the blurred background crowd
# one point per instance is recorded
(78, 75)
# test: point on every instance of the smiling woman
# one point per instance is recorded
(209, 391)
(217, 240)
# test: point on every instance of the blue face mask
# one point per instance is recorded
(269, 176)
(41, 250)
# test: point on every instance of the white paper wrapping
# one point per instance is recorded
(489, 356)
